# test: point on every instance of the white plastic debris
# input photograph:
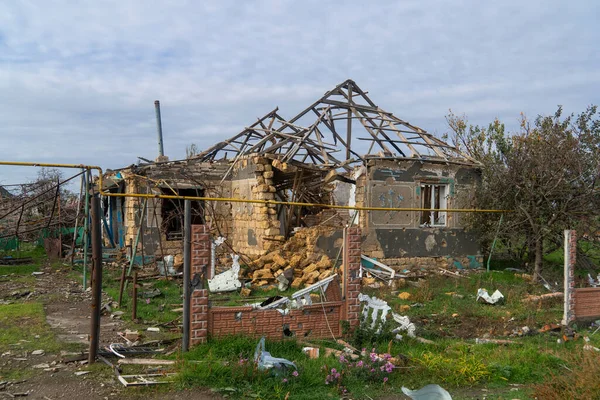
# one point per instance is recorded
(429, 392)
(405, 325)
(495, 298)
(264, 360)
(227, 281)
(374, 306)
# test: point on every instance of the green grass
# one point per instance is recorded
(18, 269)
(24, 327)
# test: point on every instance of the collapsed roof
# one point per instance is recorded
(340, 112)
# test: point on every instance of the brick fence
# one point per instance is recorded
(314, 321)
(580, 303)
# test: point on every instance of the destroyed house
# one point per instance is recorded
(341, 150)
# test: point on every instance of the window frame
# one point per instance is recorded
(439, 201)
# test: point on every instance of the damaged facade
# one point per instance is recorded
(341, 150)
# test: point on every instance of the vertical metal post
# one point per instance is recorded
(97, 279)
(86, 227)
(494, 242)
(77, 216)
(135, 295)
(349, 126)
(161, 151)
(187, 253)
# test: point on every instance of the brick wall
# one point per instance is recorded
(315, 321)
(310, 321)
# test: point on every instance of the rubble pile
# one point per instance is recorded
(298, 262)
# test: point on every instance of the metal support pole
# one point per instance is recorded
(494, 242)
(187, 252)
(161, 151)
(86, 227)
(135, 295)
(97, 281)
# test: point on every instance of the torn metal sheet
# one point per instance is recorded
(484, 297)
(303, 295)
(227, 281)
(429, 392)
(384, 269)
(264, 360)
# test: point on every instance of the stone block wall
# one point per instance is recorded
(253, 224)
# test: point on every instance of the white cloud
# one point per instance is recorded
(78, 80)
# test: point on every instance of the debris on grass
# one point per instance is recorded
(484, 297)
(404, 296)
(264, 360)
(495, 341)
(543, 297)
(429, 392)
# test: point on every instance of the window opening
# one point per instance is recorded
(434, 197)
(172, 212)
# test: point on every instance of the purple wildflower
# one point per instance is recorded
(284, 380)
(295, 373)
(385, 379)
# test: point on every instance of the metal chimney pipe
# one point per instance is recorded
(161, 151)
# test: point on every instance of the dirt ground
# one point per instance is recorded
(50, 376)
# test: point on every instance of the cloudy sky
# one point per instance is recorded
(78, 79)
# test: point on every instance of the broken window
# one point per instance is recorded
(434, 197)
(172, 212)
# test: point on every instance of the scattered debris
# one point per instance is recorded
(37, 353)
(303, 295)
(144, 380)
(150, 294)
(404, 296)
(384, 273)
(495, 341)
(265, 361)
(588, 346)
(41, 366)
(495, 298)
(452, 274)
(227, 281)
(311, 352)
(531, 299)
(592, 282)
(429, 392)
(549, 328)
(80, 373)
(153, 329)
(145, 361)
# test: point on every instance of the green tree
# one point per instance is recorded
(546, 173)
